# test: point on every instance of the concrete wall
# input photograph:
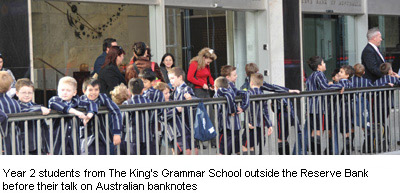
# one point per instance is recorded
(55, 41)
(384, 7)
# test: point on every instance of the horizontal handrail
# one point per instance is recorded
(49, 65)
(193, 102)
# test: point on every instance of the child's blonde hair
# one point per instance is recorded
(221, 82)
(24, 82)
(119, 94)
(5, 81)
(68, 80)
(161, 86)
(257, 79)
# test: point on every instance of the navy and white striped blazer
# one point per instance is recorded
(10, 106)
(32, 126)
(230, 110)
(256, 110)
(246, 96)
(360, 82)
(143, 122)
(317, 81)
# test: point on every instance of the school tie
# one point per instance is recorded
(377, 50)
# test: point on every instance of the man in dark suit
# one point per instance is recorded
(371, 58)
(107, 44)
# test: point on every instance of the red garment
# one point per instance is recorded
(201, 75)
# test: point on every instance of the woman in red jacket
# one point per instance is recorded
(199, 72)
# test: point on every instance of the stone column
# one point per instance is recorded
(157, 30)
(361, 30)
(273, 30)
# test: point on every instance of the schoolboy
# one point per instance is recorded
(138, 129)
(229, 72)
(232, 122)
(388, 78)
(182, 92)
(66, 102)
(169, 128)
(91, 91)
(345, 73)
(257, 120)
(9, 106)
(3, 122)
(317, 81)
(149, 77)
(250, 69)
(120, 94)
(358, 81)
(24, 91)
(335, 76)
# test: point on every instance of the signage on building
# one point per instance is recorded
(137, 2)
(333, 6)
(223, 4)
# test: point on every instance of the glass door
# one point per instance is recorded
(189, 30)
(330, 36)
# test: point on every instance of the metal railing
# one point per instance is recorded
(45, 78)
(359, 121)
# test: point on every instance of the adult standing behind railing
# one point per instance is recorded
(107, 44)
(141, 61)
(199, 73)
(166, 64)
(109, 75)
(371, 58)
(12, 91)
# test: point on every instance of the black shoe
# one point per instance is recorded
(317, 141)
(280, 148)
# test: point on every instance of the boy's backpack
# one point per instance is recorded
(203, 128)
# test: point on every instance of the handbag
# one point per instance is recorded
(203, 128)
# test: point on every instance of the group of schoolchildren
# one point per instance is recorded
(340, 110)
(81, 133)
(137, 132)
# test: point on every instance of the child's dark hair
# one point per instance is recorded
(227, 70)
(385, 68)
(349, 70)
(136, 86)
(336, 71)
(90, 81)
(139, 48)
(250, 69)
(359, 70)
(314, 62)
(221, 82)
(148, 74)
